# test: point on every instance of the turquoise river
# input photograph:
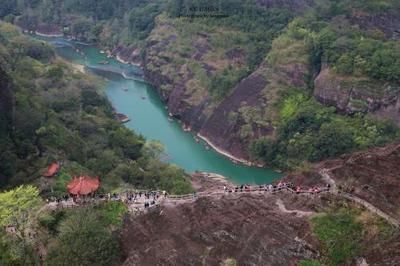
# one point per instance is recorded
(130, 95)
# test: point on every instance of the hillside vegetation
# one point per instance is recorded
(52, 112)
(294, 57)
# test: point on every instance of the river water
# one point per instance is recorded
(130, 95)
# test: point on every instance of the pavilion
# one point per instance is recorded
(83, 185)
(52, 170)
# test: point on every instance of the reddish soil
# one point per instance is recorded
(247, 228)
(387, 253)
(265, 228)
(372, 175)
(221, 131)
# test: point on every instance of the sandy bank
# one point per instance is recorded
(227, 154)
(49, 34)
(77, 67)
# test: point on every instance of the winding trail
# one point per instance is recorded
(371, 208)
(325, 173)
(137, 206)
(299, 213)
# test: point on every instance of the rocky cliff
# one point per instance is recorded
(372, 175)
(357, 94)
(245, 229)
(246, 113)
(201, 69)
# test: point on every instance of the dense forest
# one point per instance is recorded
(323, 37)
(298, 52)
(53, 112)
(261, 39)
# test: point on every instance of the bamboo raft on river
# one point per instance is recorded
(122, 118)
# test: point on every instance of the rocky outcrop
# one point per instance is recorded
(371, 175)
(353, 94)
(386, 23)
(246, 112)
(248, 230)
(222, 130)
(127, 55)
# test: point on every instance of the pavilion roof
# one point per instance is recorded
(52, 169)
(83, 185)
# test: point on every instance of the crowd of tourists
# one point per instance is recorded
(277, 187)
(150, 198)
(147, 198)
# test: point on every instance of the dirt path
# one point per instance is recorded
(298, 213)
(372, 208)
(137, 207)
(327, 177)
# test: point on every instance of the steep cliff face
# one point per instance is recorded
(181, 59)
(389, 24)
(206, 72)
(357, 92)
(181, 76)
(128, 54)
(352, 94)
(225, 125)
(372, 175)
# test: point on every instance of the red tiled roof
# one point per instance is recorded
(52, 170)
(83, 185)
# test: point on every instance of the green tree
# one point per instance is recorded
(17, 207)
(84, 240)
(333, 139)
(154, 149)
(130, 143)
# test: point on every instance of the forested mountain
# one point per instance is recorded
(254, 77)
(279, 82)
(50, 112)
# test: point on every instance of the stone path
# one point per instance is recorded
(137, 207)
(327, 177)
(371, 208)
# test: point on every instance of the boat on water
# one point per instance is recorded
(102, 52)
(125, 89)
(103, 62)
(170, 119)
(122, 118)
(143, 97)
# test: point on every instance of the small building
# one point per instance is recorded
(83, 185)
(52, 170)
